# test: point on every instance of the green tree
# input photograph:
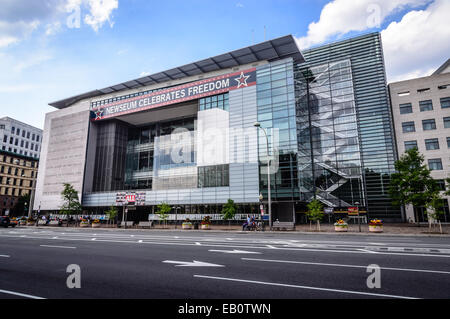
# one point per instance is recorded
(21, 206)
(412, 183)
(71, 203)
(315, 212)
(111, 213)
(434, 210)
(163, 212)
(229, 211)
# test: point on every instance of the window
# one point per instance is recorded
(443, 87)
(13, 130)
(426, 105)
(435, 164)
(440, 183)
(445, 102)
(423, 90)
(37, 138)
(448, 142)
(28, 134)
(403, 93)
(408, 127)
(429, 125)
(405, 108)
(18, 131)
(446, 122)
(23, 133)
(432, 144)
(217, 101)
(5, 139)
(33, 137)
(410, 145)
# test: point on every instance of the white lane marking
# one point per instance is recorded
(305, 287)
(348, 266)
(5, 256)
(19, 294)
(194, 263)
(243, 246)
(368, 251)
(236, 251)
(51, 246)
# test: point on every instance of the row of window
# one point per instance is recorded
(216, 101)
(25, 133)
(21, 162)
(430, 144)
(12, 192)
(427, 125)
(21, 152)
(16, 182)
(14, 171)
(424, 106)
(25, 144)
(424, 90)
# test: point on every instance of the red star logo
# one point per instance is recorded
(242, 80)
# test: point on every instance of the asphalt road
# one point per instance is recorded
(204, 264)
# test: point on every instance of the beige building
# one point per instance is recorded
(421, 112)
(17, 178)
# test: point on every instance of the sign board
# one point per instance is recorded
(133, 198)
(261, 207)
(182, 93)
(353, 211)
(328, 210)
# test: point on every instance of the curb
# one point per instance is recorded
(247, 232)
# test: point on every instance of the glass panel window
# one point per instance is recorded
(426, 105)
(445, 102)
(432, 144)
(410, 145)
(429, 124)
(408, 127)
(406, 108)
(435, 164)
(446, 122)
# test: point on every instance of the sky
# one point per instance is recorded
(54, 49)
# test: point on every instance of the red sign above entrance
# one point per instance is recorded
(178, 94)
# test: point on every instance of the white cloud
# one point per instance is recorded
(339, 17)
(419, 43)
(144, 73)
(13, 32)
(100, 12)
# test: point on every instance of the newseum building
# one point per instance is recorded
(186, 136)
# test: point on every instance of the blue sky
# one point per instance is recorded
(43, 59)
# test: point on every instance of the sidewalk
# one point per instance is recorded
(325, 229)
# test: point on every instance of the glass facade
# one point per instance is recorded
(351, 139)
(276, 113)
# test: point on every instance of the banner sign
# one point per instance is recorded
(182, 93)
(131, 198)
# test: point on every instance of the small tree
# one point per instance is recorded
(315, 212)
(71, 204)
(163, 212)
(412, 184)
(111, 213)
(434, 210)
(229, 211)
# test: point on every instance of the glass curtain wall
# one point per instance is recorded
(276, 113)
(329, 154)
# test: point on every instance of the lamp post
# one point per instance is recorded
(258, 125)
(261, 197)
(176, 215)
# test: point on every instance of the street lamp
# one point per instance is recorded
(258, 125)
(176, 215)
